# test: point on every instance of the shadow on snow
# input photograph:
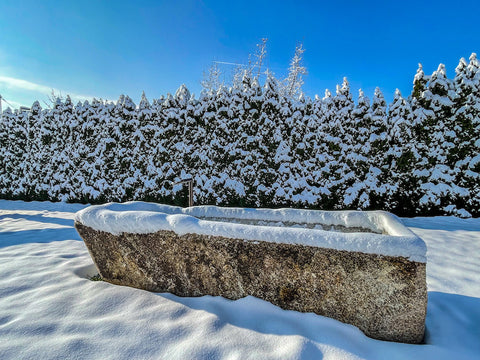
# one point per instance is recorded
(451, 325)
(10, 238)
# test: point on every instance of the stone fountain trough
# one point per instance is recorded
(361, 268)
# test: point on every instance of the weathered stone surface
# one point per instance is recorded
(384, 296)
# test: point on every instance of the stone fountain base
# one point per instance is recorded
(384, 296)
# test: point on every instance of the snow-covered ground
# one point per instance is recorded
(49, 309)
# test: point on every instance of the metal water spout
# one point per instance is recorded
(188, 181)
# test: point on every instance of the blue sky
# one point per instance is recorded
(106, 48)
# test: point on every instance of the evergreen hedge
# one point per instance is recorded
(249, 145)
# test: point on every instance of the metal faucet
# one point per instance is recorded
(190, 189)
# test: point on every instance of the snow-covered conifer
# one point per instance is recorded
(219, 140)
(438, 188)
(306, 190)
(467, 126)
(402, 157)
(341, 127)
(358, 152)
(270, 136)
(249, 137)
(47, 163)
(375, 152)
(320, 158)
(79, 153)
(344, 106)
(62, 187)
(102, 134)
(328, 156)
(8, 156)
(418, 103)
(421, 126)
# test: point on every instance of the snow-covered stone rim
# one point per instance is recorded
(142, 217)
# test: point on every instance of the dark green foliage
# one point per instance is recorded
(96, 277)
